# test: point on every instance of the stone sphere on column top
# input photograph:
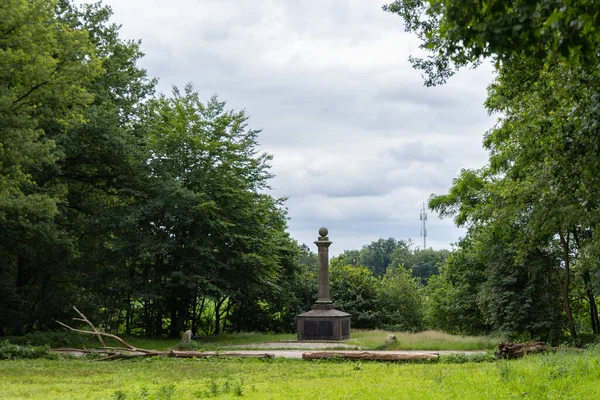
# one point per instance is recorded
(323, 232)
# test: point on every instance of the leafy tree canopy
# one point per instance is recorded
(458, 33)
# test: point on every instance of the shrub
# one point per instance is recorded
(9, 351)
(192, 346)
(54, 339)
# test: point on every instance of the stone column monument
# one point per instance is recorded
(323, 322)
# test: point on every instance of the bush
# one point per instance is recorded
(54, 339)
(192, 346)
(9, 351)
(582, 340)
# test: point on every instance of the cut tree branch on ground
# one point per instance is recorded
(87, 321)
(518, 350)
(129, 351)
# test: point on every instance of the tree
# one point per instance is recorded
(354, 290)
(206, 212)
(534, 198)
(456, 33)
(399, 300)
(103, 169)
(45, 68)
(422, 263)
(377, 256)
(452, 297)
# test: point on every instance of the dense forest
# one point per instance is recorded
(150, 212)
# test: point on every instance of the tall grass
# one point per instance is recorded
(428, 340)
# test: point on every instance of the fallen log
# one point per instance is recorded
(518, 350)
(116, 353)
(369, 355)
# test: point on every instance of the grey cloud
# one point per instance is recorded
(417, 151)
(357, 140)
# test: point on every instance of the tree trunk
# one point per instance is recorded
(193, 316)
(198, 315)
(128, 315)
(226, 314)
(593, 308)
(565, 286)
(217, 316)
(175, 327)
(218, 305)
(148, 318)
(21, 267)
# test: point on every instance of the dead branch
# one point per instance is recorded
(129, 351)
(87, 321)
(124, 343)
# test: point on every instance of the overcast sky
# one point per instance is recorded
(358, 141)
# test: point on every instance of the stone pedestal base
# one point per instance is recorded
(323, 323)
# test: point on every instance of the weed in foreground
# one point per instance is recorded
(166, 392)
(461, 358)
(215, 389)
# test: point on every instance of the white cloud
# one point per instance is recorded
(358, 142)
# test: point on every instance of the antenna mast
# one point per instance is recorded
(423, 225)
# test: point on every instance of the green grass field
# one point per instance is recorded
(364, 339)
(548, 376)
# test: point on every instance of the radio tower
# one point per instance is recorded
(424, 226)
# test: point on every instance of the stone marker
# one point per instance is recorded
(187, 337)
(390, 339)
(323, 322)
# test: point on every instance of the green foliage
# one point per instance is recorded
(45, 67)
(54, 339)
(140, 211)
(166, 392)
(216, 232)
(423, 263)
(354, 290)
(532, 211)
(192, 346)
(452, 297)
(377, 256)
(399, 301)
(10, 351)
(456, 33)
(382, 254)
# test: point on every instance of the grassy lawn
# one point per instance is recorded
(364, 339)
(548, 376)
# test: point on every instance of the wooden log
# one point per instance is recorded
(518, 350)
(118, 353)
(367, 355)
